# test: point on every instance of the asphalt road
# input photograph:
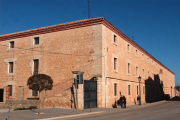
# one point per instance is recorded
(169, 110)
(163, 110)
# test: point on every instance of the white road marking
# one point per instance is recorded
(53, 118)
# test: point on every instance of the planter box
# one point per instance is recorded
(32, 98)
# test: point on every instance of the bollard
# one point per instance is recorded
(9, 112)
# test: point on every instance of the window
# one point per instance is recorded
(115, 39)
(152, 62)
(142, 56)
(143, 73)
(115, 89)
(148, 60)
(11, 65)
(148, 73)
(36, 40)
(129, 68)
(136, 71)
(137, 90)
(36, 66)
(11, 44)
(129, 90)
(34, 93)
(143, 89)
(136, 52)
(128, 47)
(10, 90)
(115, 63)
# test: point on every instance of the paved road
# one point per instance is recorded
(164, 110)
(169, 110)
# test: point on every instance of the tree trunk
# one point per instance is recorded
(39, 103)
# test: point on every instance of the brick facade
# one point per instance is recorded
(87, 46)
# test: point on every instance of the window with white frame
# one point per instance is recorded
(36, 40)
(11, 67)
(36, 66)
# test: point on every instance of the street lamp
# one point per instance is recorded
(139, 78)
(171, 91)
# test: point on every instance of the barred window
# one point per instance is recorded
(34, 93)
(115, 89)
(129, 90)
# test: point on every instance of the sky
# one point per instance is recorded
(154, 24)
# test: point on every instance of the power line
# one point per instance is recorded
(32, 49)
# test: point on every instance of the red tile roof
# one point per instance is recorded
(77, 24)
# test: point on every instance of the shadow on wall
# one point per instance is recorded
(154, 89)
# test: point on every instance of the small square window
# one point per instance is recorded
(36, 40)
(115, 39)
(11, 65)
(11, 44)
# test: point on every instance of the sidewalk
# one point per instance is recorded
(48, 113)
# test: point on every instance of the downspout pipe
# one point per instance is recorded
(106, 91)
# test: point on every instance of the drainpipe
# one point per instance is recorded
(106, 92)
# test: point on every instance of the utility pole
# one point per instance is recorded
(88, 9)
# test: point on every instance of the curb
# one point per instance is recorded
(70, 116)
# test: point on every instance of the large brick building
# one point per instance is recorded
(94, 47)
